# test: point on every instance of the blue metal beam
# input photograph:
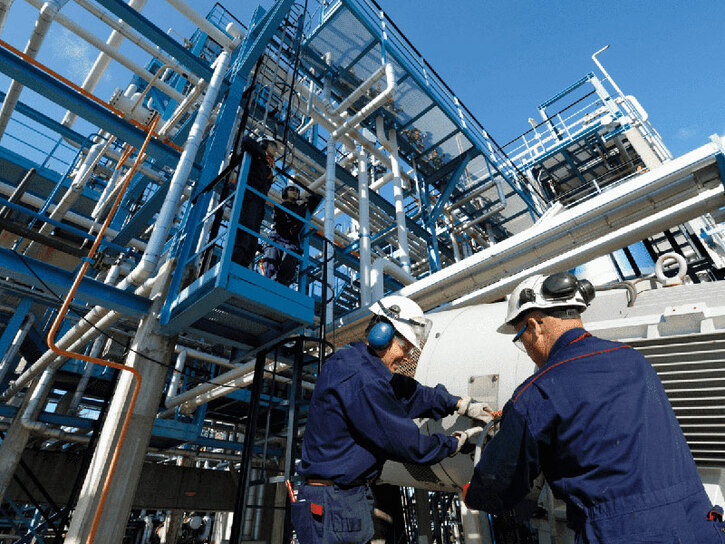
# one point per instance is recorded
(34, 78)
(158, 36)
(59, 280)
(46, 121)
(13, 325)
(448, 189)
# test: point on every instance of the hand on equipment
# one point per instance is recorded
(475, 410)
(465, 444)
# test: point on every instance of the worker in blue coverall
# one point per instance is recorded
(260, 177)
(278, 264)
(595, 419)
(361, 415)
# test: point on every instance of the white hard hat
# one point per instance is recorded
(406, 317)
(560, 290)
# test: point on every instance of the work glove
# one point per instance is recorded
(475, 410)
(465, 444)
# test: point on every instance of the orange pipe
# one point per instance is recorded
(94, 360)
(81, 90)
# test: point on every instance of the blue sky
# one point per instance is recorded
(502, 58)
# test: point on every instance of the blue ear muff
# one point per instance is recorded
(381, 336)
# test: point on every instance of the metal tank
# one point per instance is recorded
(466, 354)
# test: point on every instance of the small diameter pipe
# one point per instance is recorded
(64, 310)
(364, 217)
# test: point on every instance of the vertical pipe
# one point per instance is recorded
(47, 13)
(398, 197)
(364, 216)
(4, 9)
(329, 293)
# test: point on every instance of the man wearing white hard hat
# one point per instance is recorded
(595, 419)
(361, 415)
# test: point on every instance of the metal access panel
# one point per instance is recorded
(484, 388)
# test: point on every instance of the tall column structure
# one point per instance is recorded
(151, 354)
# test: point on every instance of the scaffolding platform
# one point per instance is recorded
(236, 306)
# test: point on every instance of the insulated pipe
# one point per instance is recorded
(94, 322)
(364, 217)
(47, 12)
(203, 356)
(155, 246)
(181, 109)
(176, 377)
(371, 106)
(4, 10)
(391, 144)
(381, 266)
(103, 60)
(102, 46)
(203, 24)
(111, 187)
(94, 317)
(362, 89)
(646, 204)
(460, 228)
(328, 296)
(86, 377)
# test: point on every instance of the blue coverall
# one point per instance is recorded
(596, 420)
(360, 416)
(277, 264)
(260, 177)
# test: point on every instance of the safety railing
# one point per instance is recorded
(556, 130)
(212, 224)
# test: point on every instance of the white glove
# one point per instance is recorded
(464, 436)
(475, 410)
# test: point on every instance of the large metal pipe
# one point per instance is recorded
(167, 214)
(391, 144)
(677, 191)
(5, 6)
(203, 24)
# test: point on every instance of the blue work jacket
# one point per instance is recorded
(596, 420)
(361, 416)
